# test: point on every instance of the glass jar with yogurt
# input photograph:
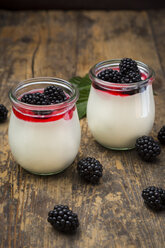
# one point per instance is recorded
(44, 139)
(119, 113)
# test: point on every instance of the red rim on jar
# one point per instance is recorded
(147, 75)
(43, 113)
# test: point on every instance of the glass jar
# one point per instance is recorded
(44, 139)
(120, 113)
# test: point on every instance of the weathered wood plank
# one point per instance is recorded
(111, 214)
(157, 23)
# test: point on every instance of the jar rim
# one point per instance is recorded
(44, 80)
(114, 63)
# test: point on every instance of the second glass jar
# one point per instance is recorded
(120, 113)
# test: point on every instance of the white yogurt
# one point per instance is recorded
(117, 121)
(44, 148)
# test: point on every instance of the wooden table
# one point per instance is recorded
(112, 214)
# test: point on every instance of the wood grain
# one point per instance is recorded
(64, 44)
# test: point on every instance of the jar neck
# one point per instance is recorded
(21, 109)
(147, 75)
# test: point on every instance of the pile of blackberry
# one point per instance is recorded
(63, 219)
(129, 73)
(154, 198)
(51, 95)
(90, 169)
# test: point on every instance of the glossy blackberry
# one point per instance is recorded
(55, 94)
(35, 99)
(63, 219)
(154, 197)
(161, 135)
(110, 75)
(147, 148)
(90, 169)
(3, 113)
(131, 77)
(128, 65)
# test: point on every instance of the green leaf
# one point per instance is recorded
(75, 80)
(81, 108)
(83, 84)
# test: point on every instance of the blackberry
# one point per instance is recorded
(161, 135)
(110, 75)
(3, 113)
(129, 73)
(154, 197)
(90, 169)
(35, 99)
(63, 219)
(147, 148)
(131, 77)
(128, 65)
(51, 95)
(55, 94)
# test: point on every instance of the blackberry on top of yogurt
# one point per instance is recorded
(55, 94)
(126, 65)
(128, 73)
(35, 99)
(51, 95)
(110, 76)
(131, 77)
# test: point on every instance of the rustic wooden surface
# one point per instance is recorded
(111, 214)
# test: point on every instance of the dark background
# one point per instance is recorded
(81, 4)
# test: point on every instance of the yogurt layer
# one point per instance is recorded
(47, 147)
(117, 121)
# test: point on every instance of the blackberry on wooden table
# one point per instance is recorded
(90, 169)
(154, 197)
(161, 135)
(3, 113)
(148, 149)
(63, 219)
